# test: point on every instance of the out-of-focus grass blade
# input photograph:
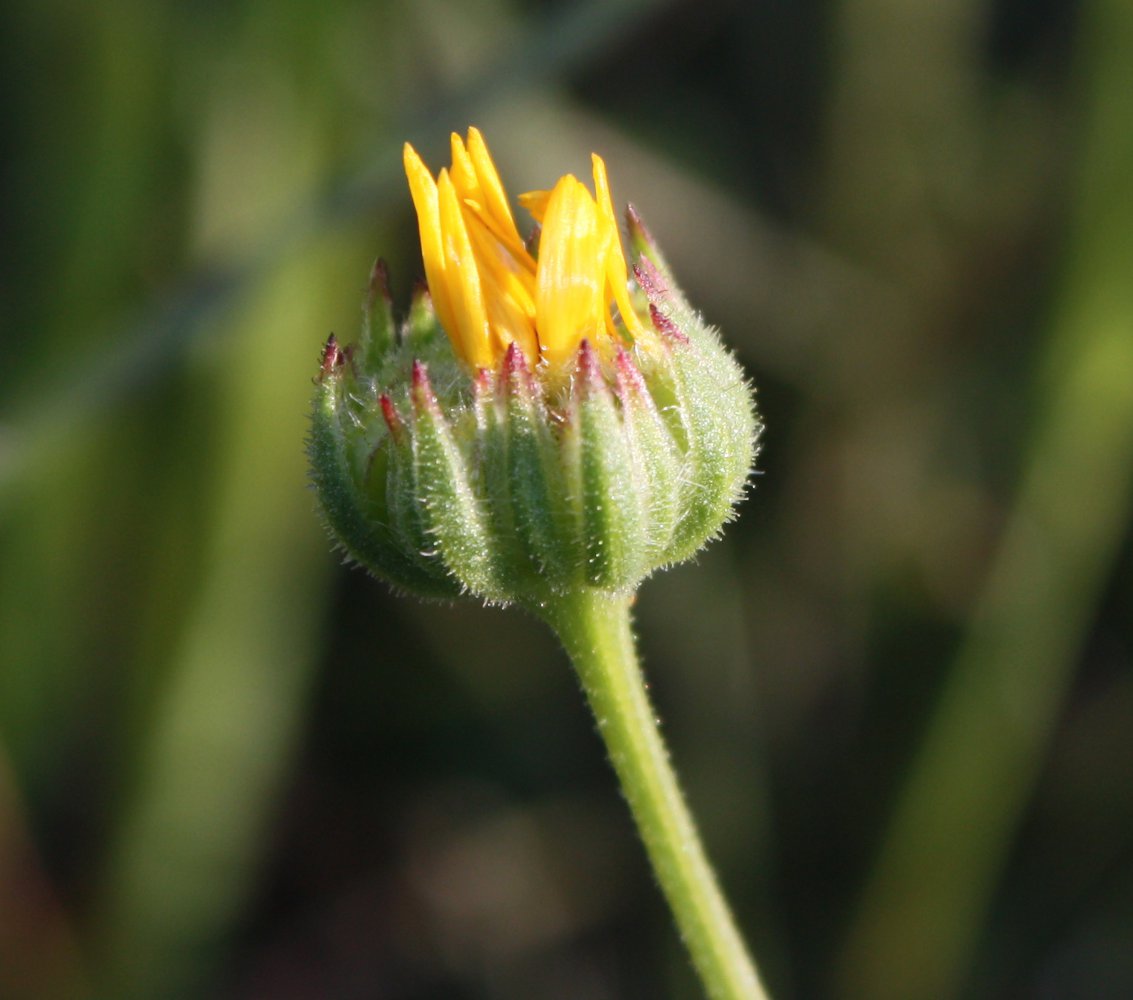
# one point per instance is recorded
(920, 919)
(221, 731)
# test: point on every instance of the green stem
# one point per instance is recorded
(595, 629)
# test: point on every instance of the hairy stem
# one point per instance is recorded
(595, 629)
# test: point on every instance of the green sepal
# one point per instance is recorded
(612, 515)
(721, 436)
(484, 435)
(379, 333)
(421, 329)
(451, 511)
(655, 460)
(516, 484)
(707, 404)
(547, 523)
(392, 486)
(365, 538)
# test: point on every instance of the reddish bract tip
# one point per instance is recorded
(423, 395)
(332, 357)
(482, 381)
(379, 282)
(516, 372)
(589, 368)
(665, 325)
(391, 417)
(630, 380)
(420, 291)
(651, 280)
(638, 231)
(514, 361)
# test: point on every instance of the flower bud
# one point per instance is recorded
(542, 421)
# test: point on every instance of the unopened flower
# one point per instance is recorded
(541, 421)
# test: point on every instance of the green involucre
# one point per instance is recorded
(514, 488)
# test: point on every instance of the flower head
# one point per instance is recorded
(540, 422)
(490, 291)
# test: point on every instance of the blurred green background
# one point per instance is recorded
(899, 692)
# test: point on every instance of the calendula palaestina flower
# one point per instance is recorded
(545, 418)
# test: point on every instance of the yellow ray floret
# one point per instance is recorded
(487, 288)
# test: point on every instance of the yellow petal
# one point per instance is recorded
(617, 277)
(510, 316)
(471, 335)
(423, 190)
(493, 196)
(482, 194)
(488, 290)
(508, 292)
(509, 245)
(570, 281)
(462, 172)
(492, 259)
(536, 203)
